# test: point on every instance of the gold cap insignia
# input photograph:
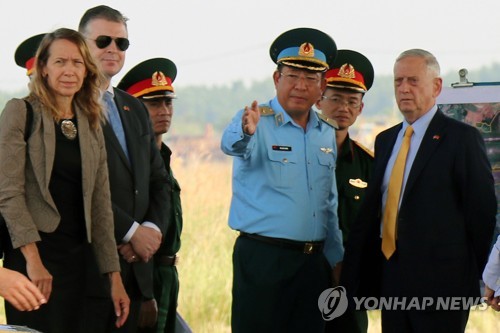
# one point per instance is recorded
(158, 79)
(358, 183)
(306, 50)
(347, 71)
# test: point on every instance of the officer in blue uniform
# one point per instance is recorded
(347, 82)
(151, 82)
(284, 201)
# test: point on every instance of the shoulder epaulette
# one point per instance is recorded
(265, 110)
(366, 150)
(327, 120)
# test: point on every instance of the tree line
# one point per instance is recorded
(199, 106)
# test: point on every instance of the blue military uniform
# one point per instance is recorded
(284, 201)
(270, 172)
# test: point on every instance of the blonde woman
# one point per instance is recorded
(54, 190)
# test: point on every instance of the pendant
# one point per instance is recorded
(68, 129)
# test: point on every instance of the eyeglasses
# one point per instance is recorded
(293, 79)
(337, 101)
(104, 41)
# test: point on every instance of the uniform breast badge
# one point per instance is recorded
(326, 150)
(358, 183)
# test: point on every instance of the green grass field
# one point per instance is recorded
(205, 266)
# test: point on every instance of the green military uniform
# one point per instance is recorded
(353, 170)
(165, 278)
(352, 72)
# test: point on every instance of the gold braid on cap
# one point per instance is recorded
(335, 84)
(289, 61)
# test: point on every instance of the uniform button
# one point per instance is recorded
(285, 160)
(136, 192)
(356, 197)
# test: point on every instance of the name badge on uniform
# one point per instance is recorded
(358, 183)
(282, 148)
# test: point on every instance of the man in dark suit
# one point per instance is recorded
(447, 207)
(138, 177)
(151, 82)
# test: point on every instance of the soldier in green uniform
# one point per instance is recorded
(151, 82)
(347, 82)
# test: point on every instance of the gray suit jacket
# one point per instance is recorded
(25, 200)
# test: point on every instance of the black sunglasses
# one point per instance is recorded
(104, 41)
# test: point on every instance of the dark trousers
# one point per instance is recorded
(100, 313)
(276, 289)
(352, 321)
(415, 321)
(64, 309)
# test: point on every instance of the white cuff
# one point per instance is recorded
(130, 232)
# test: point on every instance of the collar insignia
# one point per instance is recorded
(279, 119)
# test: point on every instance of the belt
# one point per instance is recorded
(167, 260)
(304, 247)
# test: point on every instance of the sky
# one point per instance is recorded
(218, 42)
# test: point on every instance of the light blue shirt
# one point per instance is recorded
(491, 274)
(284, 179)
(419, 128)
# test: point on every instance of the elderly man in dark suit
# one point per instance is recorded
(425, 236)
(138, 176)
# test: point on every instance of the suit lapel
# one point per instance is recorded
(110, 135)
(129, 126)
(431, 140)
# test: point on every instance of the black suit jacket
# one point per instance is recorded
(445, 222)
(138, 188)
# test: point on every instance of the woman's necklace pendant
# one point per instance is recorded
(68, 129)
